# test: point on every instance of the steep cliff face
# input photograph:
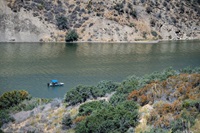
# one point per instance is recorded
(21, 26)
(98, 20)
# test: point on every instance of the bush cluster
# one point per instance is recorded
(71, 36)
(120, 115)
(87, 108)
(104, 117)
(81, 93)
(190, 70)
(66, 121)
(9, 100)
(12, 98)
(119, 7)
(15, 101)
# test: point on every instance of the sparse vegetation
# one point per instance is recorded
(29, 104)
(119, 7)
(74, 15)
(5, 117)
(62, 23)
(132, 25)
(153, 23)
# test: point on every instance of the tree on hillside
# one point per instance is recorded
(62, 23)
(71, 36)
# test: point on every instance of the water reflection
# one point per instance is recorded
(88, 49)
(30, 66)
(53, 50)
(31, 50)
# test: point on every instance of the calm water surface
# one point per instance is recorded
(30, 66)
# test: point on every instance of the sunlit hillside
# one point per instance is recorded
(99, 20)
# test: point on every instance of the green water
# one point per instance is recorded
(30, 66)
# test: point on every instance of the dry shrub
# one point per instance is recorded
(181, 87)
(134, 94)
(164, 113)
(79, 119)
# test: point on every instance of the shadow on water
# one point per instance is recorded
(71, 45)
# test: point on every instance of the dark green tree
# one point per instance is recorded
(71, 36)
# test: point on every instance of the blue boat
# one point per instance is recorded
(54, 83)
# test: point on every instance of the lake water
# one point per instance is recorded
(30, 66)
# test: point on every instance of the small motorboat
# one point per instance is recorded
(54, 83)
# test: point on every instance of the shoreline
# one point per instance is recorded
(133, 42)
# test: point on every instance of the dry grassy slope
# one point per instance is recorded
(113, 20)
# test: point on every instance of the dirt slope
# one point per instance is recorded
(99, 20)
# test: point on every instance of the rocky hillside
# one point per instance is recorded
(99, 20)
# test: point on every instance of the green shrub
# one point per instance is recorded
(119, 8)
(132, 25)
(117, 98)
(177, 126)
(157, 130)
(88, 108)
(81, 93)
(186, 121)
(77, 95)
(133, 13)
(191, 103)
(157, 76)
(5, 117)
(128, 85)
(97, 93)
(12, 98)
(110, 118)
(1, 131)
(190, 70)
(188, 116)
(107, 86)
(71, 36)
(148, 9)
(66, 121)
(154, 33)
(62, 23)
